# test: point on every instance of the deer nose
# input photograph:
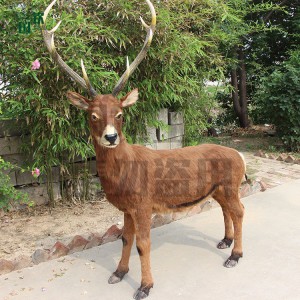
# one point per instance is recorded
(111, 137)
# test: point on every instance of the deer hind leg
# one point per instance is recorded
(229, 234)
(143, 224)
(237, 214)
(233, 211)
(236, 209)
(127, 239)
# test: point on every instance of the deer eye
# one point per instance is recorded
(118, 116)
(94, 117)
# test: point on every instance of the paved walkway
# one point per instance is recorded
(185, 261)
(271, 171)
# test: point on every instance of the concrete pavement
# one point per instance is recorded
(185, 261)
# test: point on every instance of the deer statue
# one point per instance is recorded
(140, 181)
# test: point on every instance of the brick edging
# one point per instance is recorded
(288, 158)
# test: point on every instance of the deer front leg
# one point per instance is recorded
(143, 225)
(127, 239)
(237, 213)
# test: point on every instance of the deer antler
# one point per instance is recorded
(84, 82)
(49, 41)
(130, 68)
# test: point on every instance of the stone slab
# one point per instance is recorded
(163, 115)
(11, 128)
(39, 195)
(165, 145)
(175, 118)
(9, 145)
(26, 178)
(171, 132)
(11, 175)
(152, 134)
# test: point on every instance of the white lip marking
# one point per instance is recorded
(109, 129)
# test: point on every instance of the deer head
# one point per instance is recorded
(104, 111)
(105, 115)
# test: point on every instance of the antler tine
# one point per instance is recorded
(130, 69)
(49, 41)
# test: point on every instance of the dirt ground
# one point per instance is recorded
(25, 231)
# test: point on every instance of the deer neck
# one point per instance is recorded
(111, 164)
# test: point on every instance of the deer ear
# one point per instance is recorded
(78, 100)
(130, 98)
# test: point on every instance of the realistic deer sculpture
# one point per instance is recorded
(140, 181)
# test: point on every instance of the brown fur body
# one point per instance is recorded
(146, 177)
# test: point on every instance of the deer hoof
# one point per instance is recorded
(116, 277)
(141, 293)
(225, 243)
(232, 261)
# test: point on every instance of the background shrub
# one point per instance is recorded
(9, 196)
(277, 101)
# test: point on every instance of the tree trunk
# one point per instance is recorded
(244, 120)
(235, 92)
(239, 90)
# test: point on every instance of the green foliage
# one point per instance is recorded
(104, 34)
(8, 194)
(271, 46)
(262, 32)
(278, 100)
(226, 113)
(196, 127)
